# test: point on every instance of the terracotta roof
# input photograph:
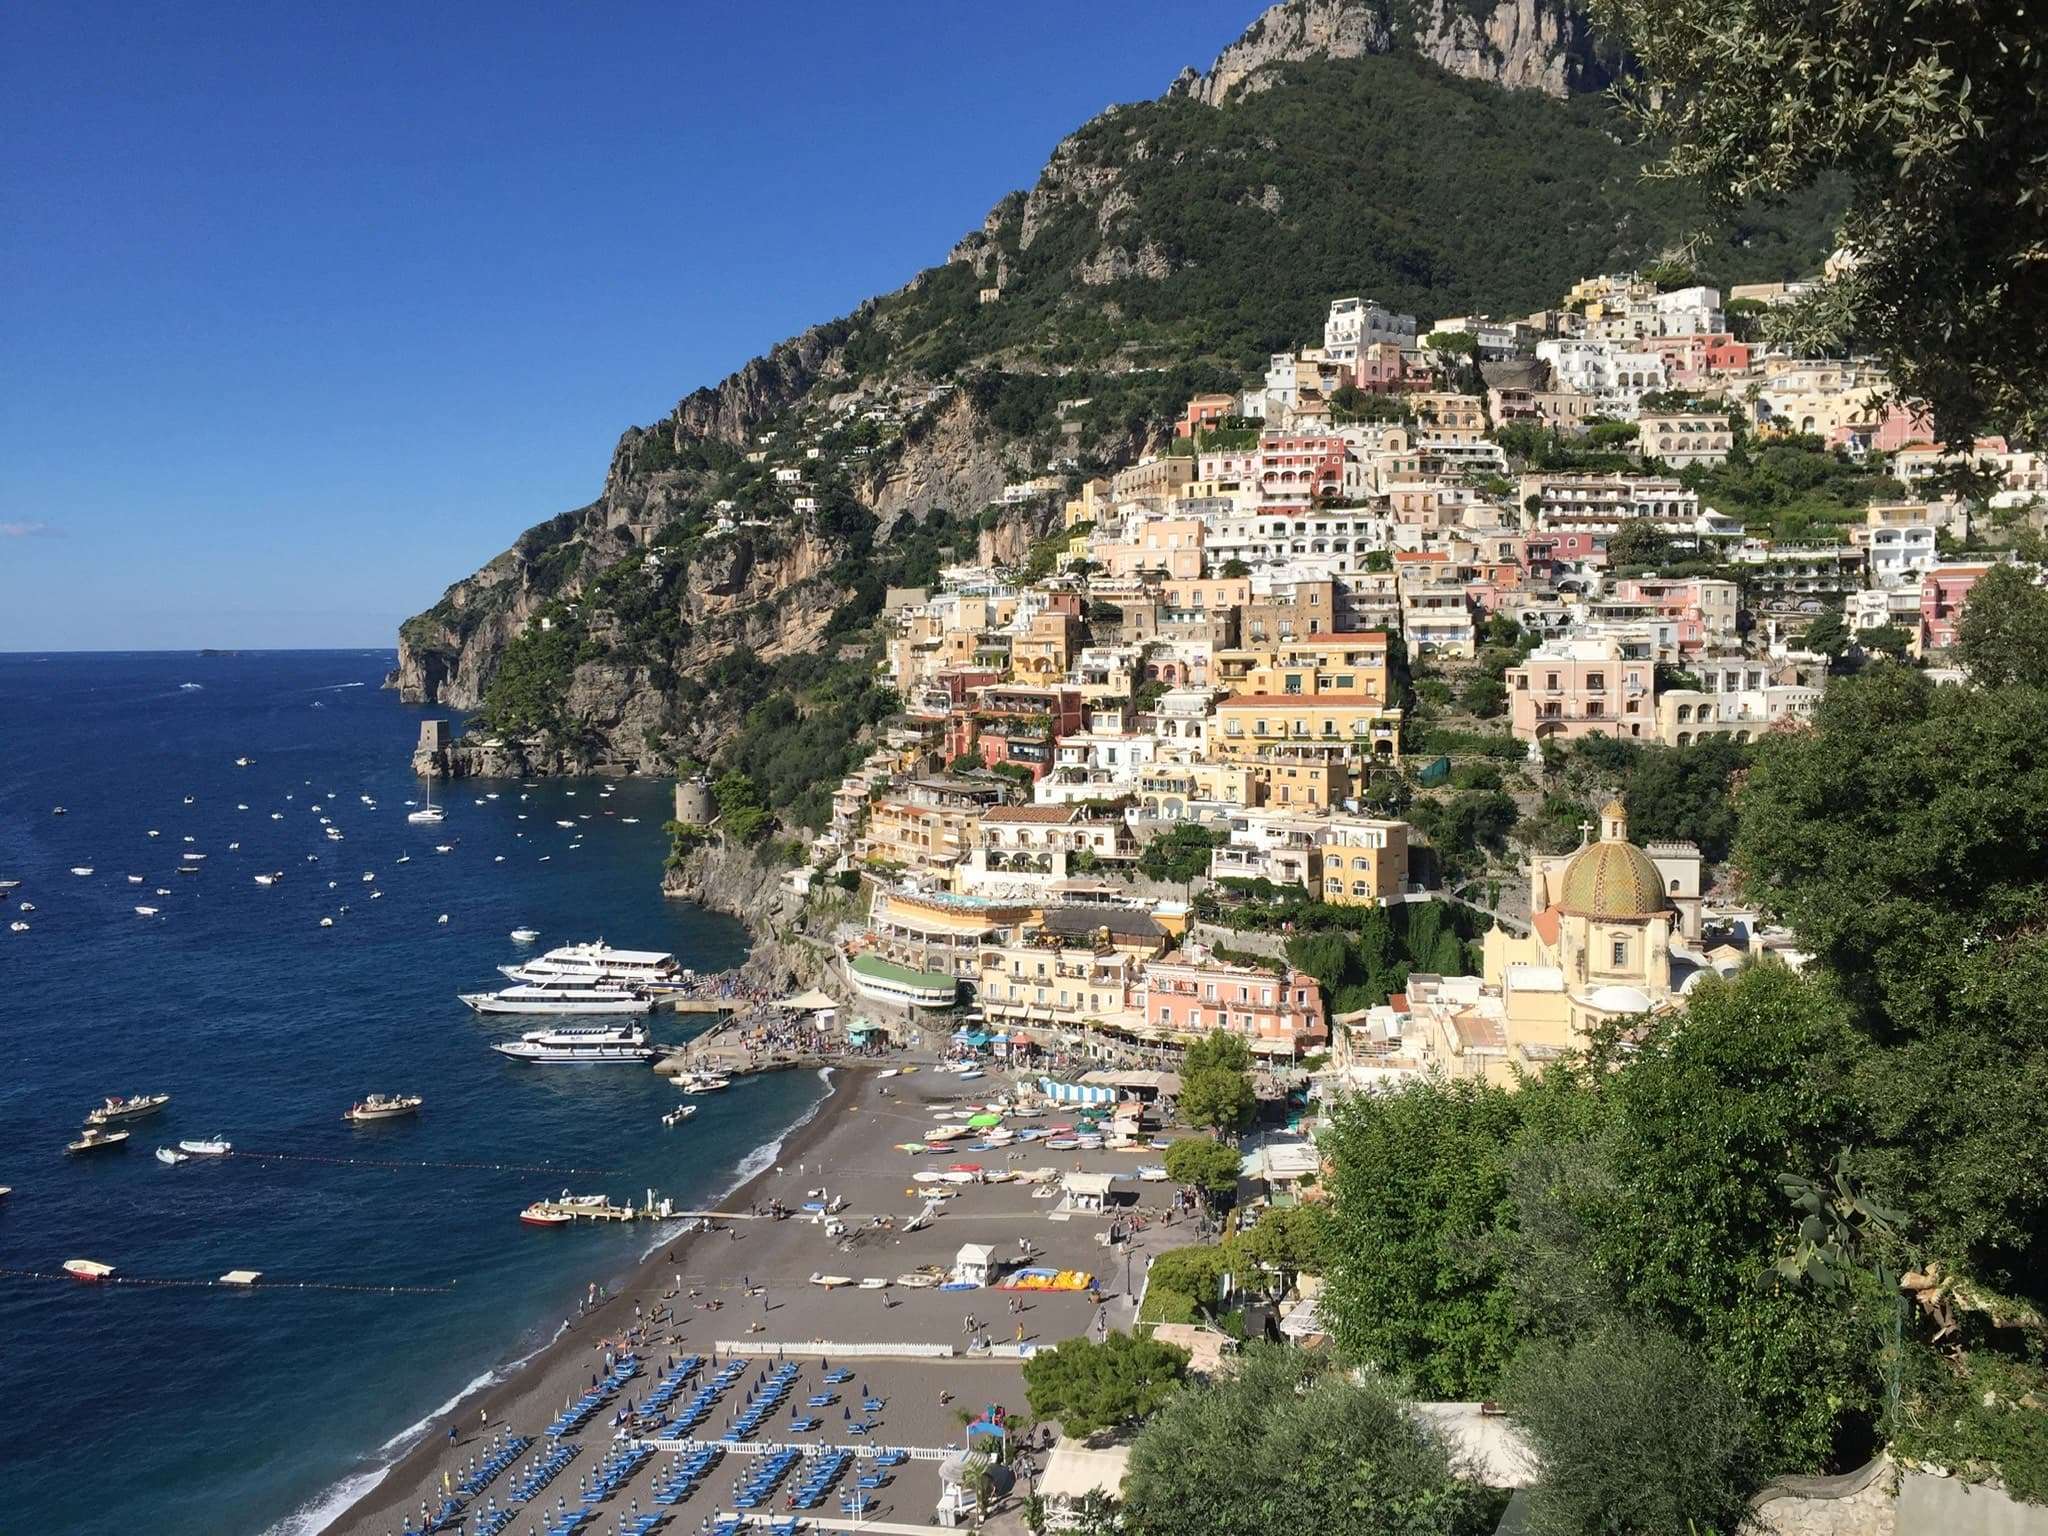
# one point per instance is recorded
(1046, 815)
(1545, 923)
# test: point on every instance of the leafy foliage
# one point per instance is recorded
(1634, 1435)
(1208, 1166)
(1090, 1387)
(1931, 115)
(1287, 1442)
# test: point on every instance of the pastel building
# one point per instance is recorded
(1569, 688)
(1183, 999)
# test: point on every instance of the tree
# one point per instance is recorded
(1827, 633)
(1640, 542)
(1292, 1239)
(1186, 1284)
(1218, 1099)
(1932, 115)
(1180, 854)
(1755, 1079)
(1905, 840)
(1484, 695)
(1219, 1048)
(1090, 1387)
(2003, 635)
(1420, 1178)
(1207, 1166)
(1287, 1442)
(1634, 1435)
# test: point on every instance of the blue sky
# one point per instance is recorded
(311, 309)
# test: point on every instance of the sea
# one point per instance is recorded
(193, 1409)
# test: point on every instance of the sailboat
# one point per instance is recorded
(429, 814)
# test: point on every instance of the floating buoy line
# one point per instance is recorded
(234, 1285)
(377, 1162)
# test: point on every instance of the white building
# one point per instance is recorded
(1355, 324)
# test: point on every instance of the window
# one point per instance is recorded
(1596, 682)
(1621, 952)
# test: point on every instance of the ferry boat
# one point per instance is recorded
(93, 1139)
(116, 1108)
(581, 1042)
(560, 997)
(599, 962)
(384, 1106)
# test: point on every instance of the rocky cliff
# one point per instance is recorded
(1540, 45)
(716, 601)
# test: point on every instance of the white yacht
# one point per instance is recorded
(599, 963)
(581, 1042)
(429, 814)
(560, 997)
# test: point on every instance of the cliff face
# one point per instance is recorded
(740, 547)
(1540, 45)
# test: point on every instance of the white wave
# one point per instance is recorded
(757, 1161)
(337, 687)
(318, 1514)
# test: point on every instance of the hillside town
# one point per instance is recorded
(1191, 712)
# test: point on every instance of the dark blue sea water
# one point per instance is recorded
(187, 1411)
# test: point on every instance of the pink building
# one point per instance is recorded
(1566, 689)
(1297, 468)
(1203, 412)
(1944, 592)
(1276, 1016)
(1379, 369)
(1701, 611)
(1691, 359)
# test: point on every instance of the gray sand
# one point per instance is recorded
(849, 1149)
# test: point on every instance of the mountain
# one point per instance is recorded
(1440, 157)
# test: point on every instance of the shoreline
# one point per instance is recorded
(397, 1480)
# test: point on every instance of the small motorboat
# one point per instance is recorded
(154, 833)
(383, 1106)
(213, 1147)
(326, 922)
(368, 877)
(525, 935)
(118, 1109)
(679, 1114)
(145, 911)
(403, 858)
(87, 1269)
(270, 879)
(81, 870)
(241, 762)
(57, 810)
(541, 1214)
(17, 926)
(135, 879)
(188, 799)
(172, 1156)
(93, 1139)
(442, 918)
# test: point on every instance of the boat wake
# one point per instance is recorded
(759, 1160)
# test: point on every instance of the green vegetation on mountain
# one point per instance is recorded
(1382, 176)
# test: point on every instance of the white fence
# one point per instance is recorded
(766, 1350)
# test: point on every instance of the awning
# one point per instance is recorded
(1075, 1093)
(809, 1002)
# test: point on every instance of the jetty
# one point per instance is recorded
(584, 1210)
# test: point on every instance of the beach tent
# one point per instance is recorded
(1075, 1093)
(812, 1001)
(1087, 1191)
(973, 1037)
(975, 1264)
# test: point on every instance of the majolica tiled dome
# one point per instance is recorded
(1613, 878)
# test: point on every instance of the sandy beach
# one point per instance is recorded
(748, 1280)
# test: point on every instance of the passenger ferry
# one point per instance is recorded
(598, 962)
(581, 1042)
(560, 997)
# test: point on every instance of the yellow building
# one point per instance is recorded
(1365, 861)
(1255, 725)
(1599, 946)
(1300, 782)
(1089, 506)
(1042, 978)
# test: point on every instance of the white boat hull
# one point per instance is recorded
(530, 1052)
(492, 1002)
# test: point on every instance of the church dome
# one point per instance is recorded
(1612, 879)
